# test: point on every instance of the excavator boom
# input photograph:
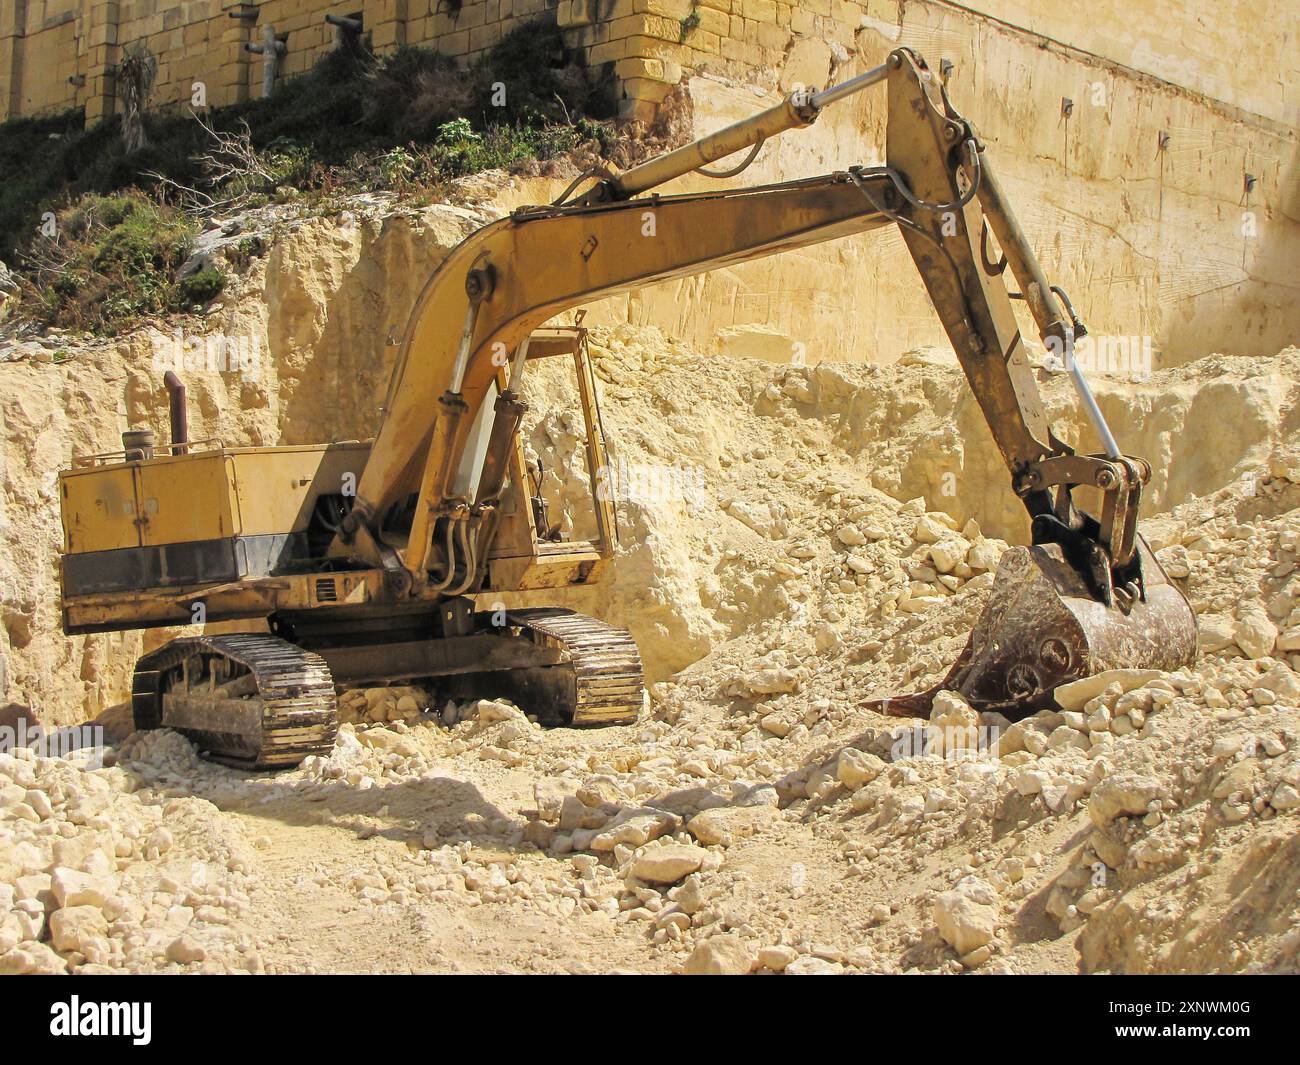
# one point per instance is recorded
(940, 189)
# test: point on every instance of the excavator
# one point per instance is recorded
(363, 564)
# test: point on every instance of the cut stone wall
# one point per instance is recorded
(1137, 201)
(60, 54)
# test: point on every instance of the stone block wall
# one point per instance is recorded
(60, 54)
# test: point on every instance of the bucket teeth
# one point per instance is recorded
(1042, 628)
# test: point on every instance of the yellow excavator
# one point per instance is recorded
(370, 563)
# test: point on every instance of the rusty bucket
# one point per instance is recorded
(1042, 628)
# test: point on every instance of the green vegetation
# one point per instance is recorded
(116, 260)
(202, 286)
(408, 121)
(690, 22)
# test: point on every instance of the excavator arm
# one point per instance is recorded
(503, 281)
(945, 197)
(415, 515)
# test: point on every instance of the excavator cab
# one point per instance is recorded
(529, 548)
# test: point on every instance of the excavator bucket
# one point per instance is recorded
(1042, 628)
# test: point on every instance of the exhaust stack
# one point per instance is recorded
(180, 422)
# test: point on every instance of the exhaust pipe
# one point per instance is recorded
(180, 423)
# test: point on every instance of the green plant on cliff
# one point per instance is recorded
(202, 286)
(112, 260)
(408, 121)
(689, 23)
(397, 166)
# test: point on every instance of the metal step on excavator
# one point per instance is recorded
(365, 564)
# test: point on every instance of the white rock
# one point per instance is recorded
(1255, 635)
(772, 680)
(777, 957)
(40, 803)
(855, 768)
(1127, 793)
(827, 637)
(946, 554)
(633, 827)
(929, 530)
(778, 724)
(1282, 681)
(159, 841)
(1213, 633)
(689, 895)
(984, 555)
(185, 950)
(721, 955)
(811, 966)
(967, 915)
(726, 824)
(73, 888)
(669, 863)
(1030, 781)
(72, 926)
(492, 710)
(1075, 695)
(34, 958)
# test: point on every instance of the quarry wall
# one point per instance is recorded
(1137, 202)
(1155, 175)
(60, 54)
(1151, 150)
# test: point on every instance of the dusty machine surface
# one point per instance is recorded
(366, 561)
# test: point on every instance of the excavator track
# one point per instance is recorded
(608, 683)
(247, 700)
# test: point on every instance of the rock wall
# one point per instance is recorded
(61, 54)
(714, 483)
(1166, 201)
